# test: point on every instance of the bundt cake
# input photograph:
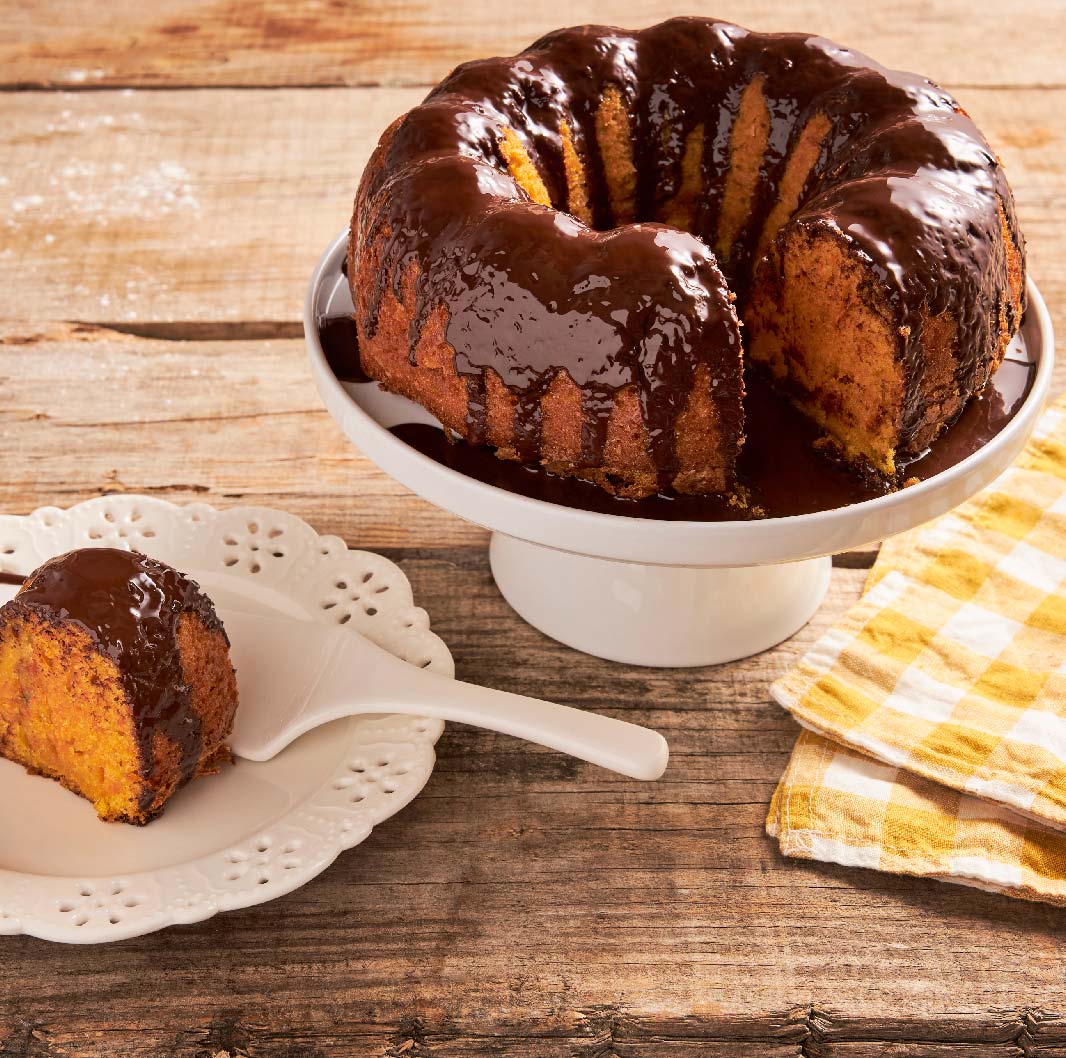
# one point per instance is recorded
(551, 252)
(115, 680)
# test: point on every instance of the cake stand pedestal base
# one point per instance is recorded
(663, 616)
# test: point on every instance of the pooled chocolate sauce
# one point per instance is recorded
(779, 466)
(340, 343)
(11, 578)
(983, 417)
(130, 606)
(782, 471)
(903, 176)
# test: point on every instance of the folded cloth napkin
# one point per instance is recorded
(936, 708)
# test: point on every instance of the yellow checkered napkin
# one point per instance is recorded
(836, 805)
(941, 697)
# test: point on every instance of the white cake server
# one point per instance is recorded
(295, 675)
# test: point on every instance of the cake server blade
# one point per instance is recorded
(295, 675)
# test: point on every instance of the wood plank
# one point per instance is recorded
(88, 411)
(247, 42)
(179, 206)
(530, 904)
(410, 1038)
(144, 208)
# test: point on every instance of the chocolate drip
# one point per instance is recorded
(902, 175)
(522, 285)
(340, 342)
(780, 468)
(131, 607)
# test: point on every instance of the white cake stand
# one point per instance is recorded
(642, 591)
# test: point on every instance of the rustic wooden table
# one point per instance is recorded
(169, 172)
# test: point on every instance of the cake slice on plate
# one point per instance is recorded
(115, 680)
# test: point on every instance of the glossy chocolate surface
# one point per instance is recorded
(903, 176)
(782, 472)
(131, 607)
(340, 343)
(780, 469)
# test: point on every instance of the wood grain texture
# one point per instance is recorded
(352, 42)
(88, 411)
(571, 912)
(526, 905)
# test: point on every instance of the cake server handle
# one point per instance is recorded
(296, 675)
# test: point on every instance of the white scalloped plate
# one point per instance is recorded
(256, 831)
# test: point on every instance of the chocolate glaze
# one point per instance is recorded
(131, 607)
(779, 467)
(903, 177)
(783, 474)
(983, 417)
(340, 343)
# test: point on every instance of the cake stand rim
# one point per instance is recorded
(635, 539)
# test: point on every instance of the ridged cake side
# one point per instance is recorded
(865, 227)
